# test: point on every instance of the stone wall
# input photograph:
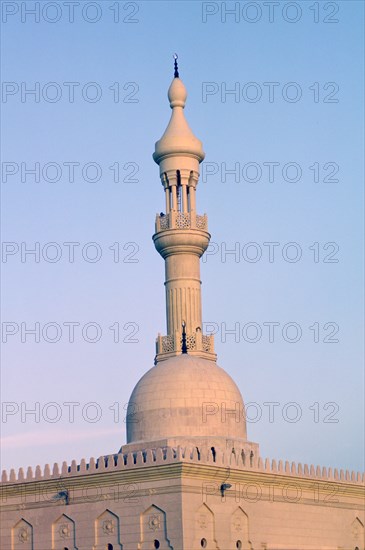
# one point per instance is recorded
(182, 499)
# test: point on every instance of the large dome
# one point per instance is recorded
(185, 396)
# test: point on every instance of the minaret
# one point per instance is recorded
(185, 398)
(181, 234)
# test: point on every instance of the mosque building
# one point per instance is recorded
(187, 478)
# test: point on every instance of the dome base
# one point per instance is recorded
(218, 443)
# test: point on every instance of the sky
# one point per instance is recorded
(275, 93)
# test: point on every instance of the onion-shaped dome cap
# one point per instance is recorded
(178, 138)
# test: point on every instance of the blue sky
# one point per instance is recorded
(313, 199)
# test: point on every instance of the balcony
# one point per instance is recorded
(197, 344)
(181, 220)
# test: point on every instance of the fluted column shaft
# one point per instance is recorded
(183, 292)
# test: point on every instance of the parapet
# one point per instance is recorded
(237, 459)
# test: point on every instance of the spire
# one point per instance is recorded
(176, 70)
(178, 138)
(181, 236)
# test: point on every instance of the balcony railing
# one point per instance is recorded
(194, 342)
(181, 220)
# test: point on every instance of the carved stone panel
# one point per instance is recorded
(22, 536)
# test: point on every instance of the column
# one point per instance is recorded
(192, 199)
(167, 197)
(183, 292)
(184, 190)
(174, 196)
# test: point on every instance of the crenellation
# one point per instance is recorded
(159, 456)
(83, 468)
(254, 462)
(139, 460)
(189, 453)
(149, 456)
(114, 460)
(179, 453)
(120, 463)
(47, 472)
(104, 462)
(217, 457)
(232, 459)
(242, 457)
(168, 455)
(100, 463)
(92, 465)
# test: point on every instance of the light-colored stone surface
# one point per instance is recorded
(181, 235)
(178, 138)
(185, 396)
(174, 496)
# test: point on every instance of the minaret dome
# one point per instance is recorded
(178, 141)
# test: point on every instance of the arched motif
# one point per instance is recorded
(22, 536)
(239, 530)
(64, 533)
(204, 529)
(358, 534)
(107, 532)
(154, 530)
